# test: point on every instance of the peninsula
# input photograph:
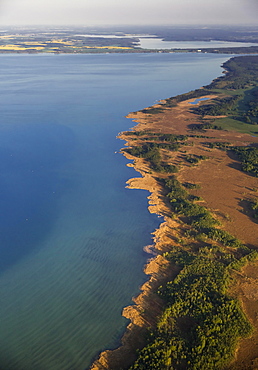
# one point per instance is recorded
(198, 156)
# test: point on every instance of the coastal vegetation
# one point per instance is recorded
(150, 150)
(201, 323)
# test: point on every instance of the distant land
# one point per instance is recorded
(123, 39)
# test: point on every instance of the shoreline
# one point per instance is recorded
(147, 306)
(248, 50)
(219, 180)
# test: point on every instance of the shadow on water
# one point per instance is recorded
(31, 157)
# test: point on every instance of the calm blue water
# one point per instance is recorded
(71, 234)
(156, 43)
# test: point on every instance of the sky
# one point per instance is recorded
(128, 12)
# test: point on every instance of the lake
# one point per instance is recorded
(71, 234)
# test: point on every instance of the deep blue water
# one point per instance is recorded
(71, 234)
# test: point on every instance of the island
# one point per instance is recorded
(197, 154)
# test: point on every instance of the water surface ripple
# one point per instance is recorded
(71, 234)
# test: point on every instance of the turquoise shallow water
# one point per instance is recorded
(71, 234)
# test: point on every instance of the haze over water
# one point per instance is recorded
(71, 234)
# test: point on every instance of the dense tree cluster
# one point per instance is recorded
(249, 159)
(218, 107)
